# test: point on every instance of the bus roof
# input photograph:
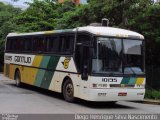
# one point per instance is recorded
(39, 33)
(112, 32)
(100, 31)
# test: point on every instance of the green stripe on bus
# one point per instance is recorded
(39, 77)
(125, 80)
(41, 73)
(47, 79)
(132, 81)
(44, 62)
(52, 64)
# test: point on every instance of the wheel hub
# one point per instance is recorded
(69, 90)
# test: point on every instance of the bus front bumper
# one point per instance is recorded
(115, 94)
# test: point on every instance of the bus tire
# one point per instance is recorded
(68, 91)
(112, 102)
(18, 78)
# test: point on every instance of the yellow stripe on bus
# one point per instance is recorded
(30, 75)
(37, 60)
(33, 71)
(139, 81)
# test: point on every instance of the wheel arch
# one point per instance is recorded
(65, 78)
(17, 69)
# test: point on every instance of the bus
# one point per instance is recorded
(93, 63)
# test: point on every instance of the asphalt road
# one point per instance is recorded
(32, 100)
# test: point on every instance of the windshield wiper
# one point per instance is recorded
(134, 73)
(111, 73)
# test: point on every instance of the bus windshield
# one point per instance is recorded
(117, 56)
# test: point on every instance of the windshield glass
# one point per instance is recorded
(107, 55)
(117, 56)
(133, 56)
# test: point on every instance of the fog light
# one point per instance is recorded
(140, 93)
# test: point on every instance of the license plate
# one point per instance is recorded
(122, 94)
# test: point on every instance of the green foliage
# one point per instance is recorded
(147, 23)
(71, 19)
(7, 13)
(152, 94)
(37, 17)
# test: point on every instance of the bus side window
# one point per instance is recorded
(27, 44)
(38, 44)
(41, 42)
(14, 45)
(34, 48)
(84, 39)
(66, 44)
(52, 43)
(20, 44)
(9, 44)
(61, 44)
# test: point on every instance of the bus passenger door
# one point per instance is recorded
(85, 63)
(82, 63)
(85, 71)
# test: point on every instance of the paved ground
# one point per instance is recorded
(32, 100)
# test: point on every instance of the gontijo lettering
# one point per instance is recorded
(22, 59)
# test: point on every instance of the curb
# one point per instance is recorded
(150, 101)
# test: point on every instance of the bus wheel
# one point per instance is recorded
(18, 79)
(68, 91)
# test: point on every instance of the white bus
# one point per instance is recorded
(93, 63)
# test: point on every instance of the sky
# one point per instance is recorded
(84, 1)
(21, 4)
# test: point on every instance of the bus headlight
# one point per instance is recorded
(143, 85)
(99, 85)
(140, 86)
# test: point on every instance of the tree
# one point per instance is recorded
(7, 12)
(37, 17)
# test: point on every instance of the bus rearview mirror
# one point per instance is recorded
(84, 75)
